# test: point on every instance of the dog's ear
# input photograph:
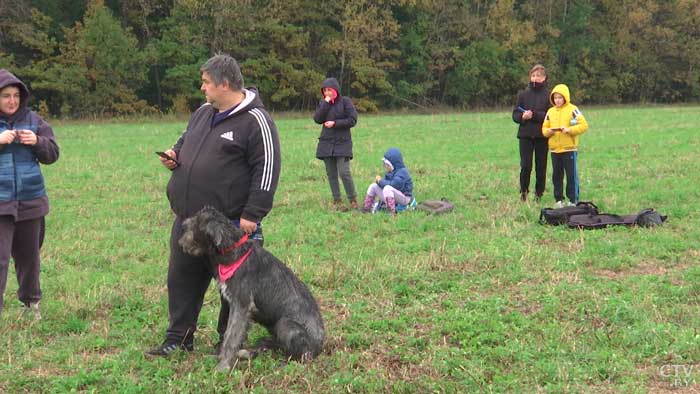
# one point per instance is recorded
(213, 230)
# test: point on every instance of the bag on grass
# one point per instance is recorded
(645, 218)
(650, 218)
(435, 206)
(559, 216)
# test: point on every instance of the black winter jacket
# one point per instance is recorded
(233, 166)
(335, 141)
(535, 99)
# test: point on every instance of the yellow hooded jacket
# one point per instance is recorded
(569, 116)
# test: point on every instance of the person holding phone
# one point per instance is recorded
(562, 126)
(26, 141)
(227, 158)
(530, 109)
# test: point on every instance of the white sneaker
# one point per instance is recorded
(31, 310)
(570, 204)
(559, 204)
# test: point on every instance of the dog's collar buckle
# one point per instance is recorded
(235, 245)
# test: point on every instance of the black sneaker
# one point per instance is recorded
(167, 348)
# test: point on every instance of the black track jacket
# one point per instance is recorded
(233, 166)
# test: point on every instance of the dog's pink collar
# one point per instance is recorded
(234, 246)
(227, 271)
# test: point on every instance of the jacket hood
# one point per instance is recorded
(393, 155)
(331, 83)
(7, 79)
(252, 100)
(563, 90)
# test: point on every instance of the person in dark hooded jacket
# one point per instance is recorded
(530, 109)
(26, 141)
(337, 115)
(396, 187)
(228, 158)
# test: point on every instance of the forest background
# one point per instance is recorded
(96, 58)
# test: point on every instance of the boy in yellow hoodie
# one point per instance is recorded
(562, 125)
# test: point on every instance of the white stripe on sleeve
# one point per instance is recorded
(266, 181)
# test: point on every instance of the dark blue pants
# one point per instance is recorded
(565, 163)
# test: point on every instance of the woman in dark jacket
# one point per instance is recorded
(530, 109)
(25, 141)
(337, 115)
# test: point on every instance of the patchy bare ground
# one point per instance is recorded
(646, 268)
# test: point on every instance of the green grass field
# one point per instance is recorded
(483, 299)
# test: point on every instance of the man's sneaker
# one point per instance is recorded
(559, 204)
(167, 348)
(31, 310)
(570, 204)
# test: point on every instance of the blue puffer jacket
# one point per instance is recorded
(399, 178)
(22, 189)
(20, 176)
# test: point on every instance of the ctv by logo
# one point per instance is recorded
(680, 375)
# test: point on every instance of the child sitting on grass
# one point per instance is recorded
(396, 188)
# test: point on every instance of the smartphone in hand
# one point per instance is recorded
(167, 157)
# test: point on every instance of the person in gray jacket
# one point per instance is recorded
(26, 141)
(227, 158)
(337, 115)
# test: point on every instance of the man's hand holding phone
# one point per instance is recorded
(169, 159)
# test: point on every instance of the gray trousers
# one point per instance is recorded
(340, 166)
(21, 241)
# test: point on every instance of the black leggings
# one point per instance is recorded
(539, 147)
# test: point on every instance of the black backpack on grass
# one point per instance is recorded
(559, 216)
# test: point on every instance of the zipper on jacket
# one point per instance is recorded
(14, 168)
(194, 159)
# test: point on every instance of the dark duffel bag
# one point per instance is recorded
(559, 216)
(645, 218)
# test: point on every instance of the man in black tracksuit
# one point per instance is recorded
(228, 158)
(530, 109)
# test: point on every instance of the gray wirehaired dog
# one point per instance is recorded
(261, 288)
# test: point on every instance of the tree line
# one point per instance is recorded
(121, 57)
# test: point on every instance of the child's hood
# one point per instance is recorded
(563, 90)
(395, 158)
(331, 83)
